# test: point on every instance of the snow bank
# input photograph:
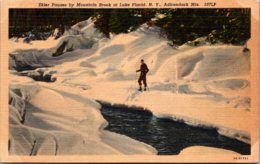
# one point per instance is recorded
(207, 63)
(17, 43)
(121, 54)
(87, 29)
(203, 150)
(61, 124)
(67, 48)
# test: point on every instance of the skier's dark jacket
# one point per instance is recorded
(144, 69)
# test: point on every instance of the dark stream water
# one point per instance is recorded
(166, 136)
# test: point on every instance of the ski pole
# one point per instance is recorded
(135, 79)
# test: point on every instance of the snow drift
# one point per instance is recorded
(208, 63)
(69, 48)
(67, 124)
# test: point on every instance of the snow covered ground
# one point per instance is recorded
(207, 86)
(46, 121)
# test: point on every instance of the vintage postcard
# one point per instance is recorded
(129, 81)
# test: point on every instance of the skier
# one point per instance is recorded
(144, 70)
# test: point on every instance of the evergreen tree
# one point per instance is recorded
(122, 20)
(231, 26)
(102, 21)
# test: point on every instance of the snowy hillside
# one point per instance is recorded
(205, 85)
